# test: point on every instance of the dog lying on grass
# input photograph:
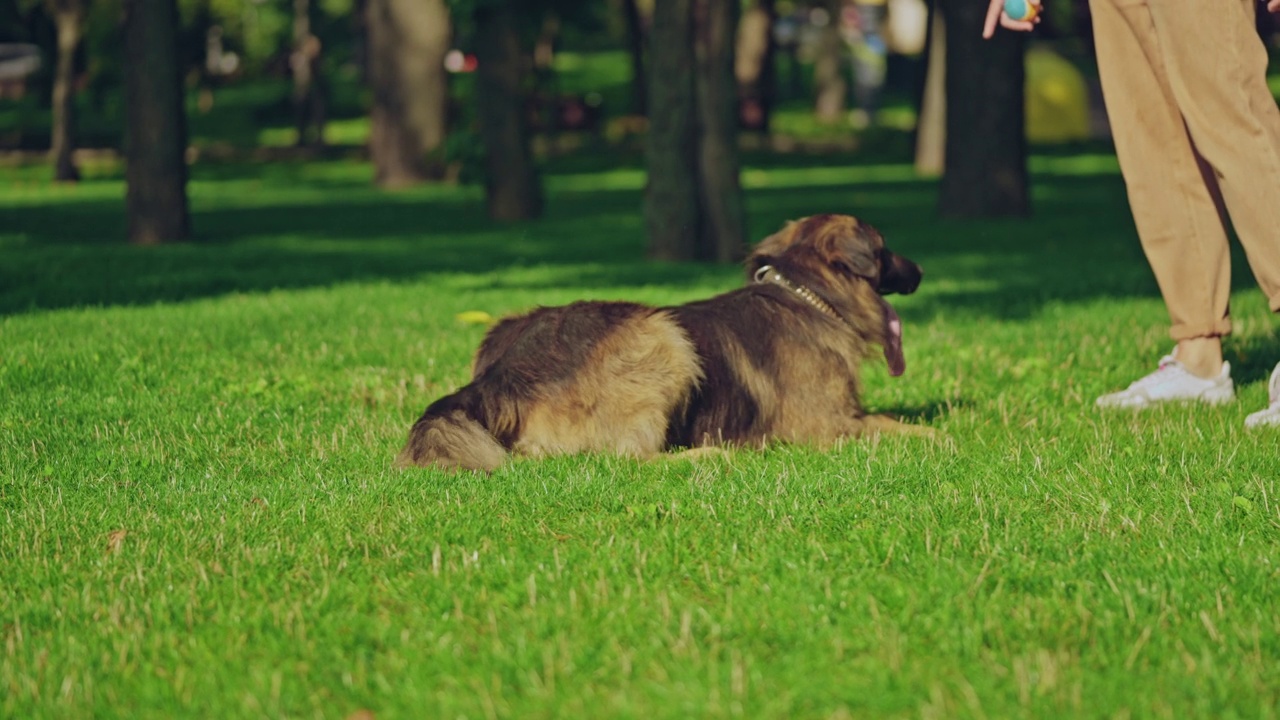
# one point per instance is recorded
(775, 360)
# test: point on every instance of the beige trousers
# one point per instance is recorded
(1196, 129)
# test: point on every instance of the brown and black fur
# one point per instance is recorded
(743, 368)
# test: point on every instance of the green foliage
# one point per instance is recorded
(579, 18)
(14, 20)
(260, 31)
(465, 149)
(198, 517)
(1063, 15)
(257, 30)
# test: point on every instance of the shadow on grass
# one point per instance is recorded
(927, 414)
(1252, 357)
(297, 225)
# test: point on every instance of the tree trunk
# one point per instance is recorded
(828, 70)
(986, 174)
(308, 86)
(544, 47)
(931, 128)
(671, 197)
(156, 138)
(406, 45)
(68, 17)
(723, 216)
(754, 65)
(635, 48)
(512, 187)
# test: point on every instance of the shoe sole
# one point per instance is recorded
(1264, 418)
(1149, 403)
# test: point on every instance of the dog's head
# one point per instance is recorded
(845, 262)
(842, 248)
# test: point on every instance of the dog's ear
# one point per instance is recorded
(860, 258)
(848, 245)
(841, 242)
(769, 249)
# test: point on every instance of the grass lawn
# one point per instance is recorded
(198, 516)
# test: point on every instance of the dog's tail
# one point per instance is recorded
(448, 435)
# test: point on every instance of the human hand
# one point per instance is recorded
(1274, 6)
(995, 13)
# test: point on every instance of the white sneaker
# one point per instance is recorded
(1172, 382)
(1269, 415)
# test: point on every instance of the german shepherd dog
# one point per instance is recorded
(775, 360)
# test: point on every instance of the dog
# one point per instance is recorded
(775, 360)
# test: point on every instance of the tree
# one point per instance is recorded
(693, 201)
(931, 130)
(510, 38)
(308, 85)
(68, 19)
(754, 64)
(671, 197)
(986, 174)
(513, 190)
(156, 138)
(635, 49)
(724, 217)
(407, 43)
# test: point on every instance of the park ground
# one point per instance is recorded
(199, 517)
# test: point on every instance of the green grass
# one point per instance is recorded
(198, 515)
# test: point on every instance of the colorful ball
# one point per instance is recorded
(1020, 9)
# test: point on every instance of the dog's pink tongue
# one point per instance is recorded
(893, 340)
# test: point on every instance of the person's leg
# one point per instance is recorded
(1217, 69)
(1171, 196)
(1175, 208)
(1218, 74)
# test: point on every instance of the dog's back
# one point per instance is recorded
(776, 360)
(591, 376)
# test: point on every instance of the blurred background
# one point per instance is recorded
(483, 91)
